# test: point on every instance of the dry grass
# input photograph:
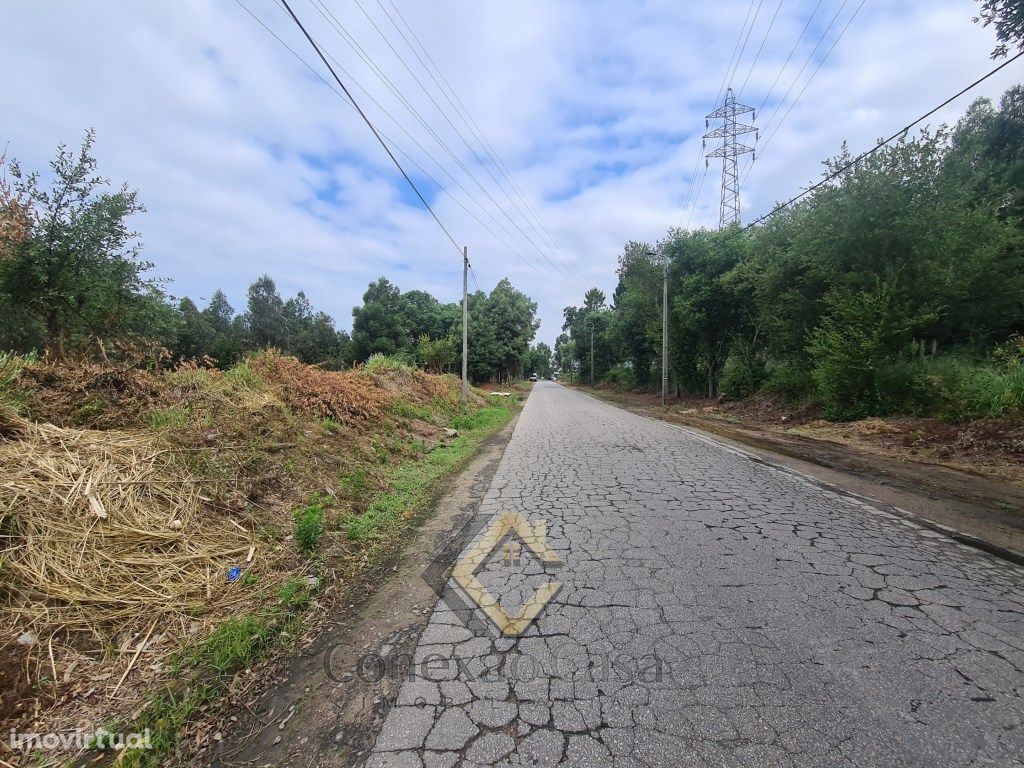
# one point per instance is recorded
(126, 494)
(105, 529)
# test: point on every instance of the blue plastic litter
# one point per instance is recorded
(234, 572)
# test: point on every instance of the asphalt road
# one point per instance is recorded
(715, 611)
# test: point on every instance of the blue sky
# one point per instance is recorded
(248, 163)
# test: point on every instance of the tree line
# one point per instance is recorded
(72, 279)
(898, 286)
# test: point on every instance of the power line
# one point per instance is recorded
(350, 40)
(760, 47)
(745, 41)
(512, 249)
(793, 104)
(815, 72)
(810, 58)
(901, 132)
(790, 56)
(444, 114)
(467, 118)
(369, 124)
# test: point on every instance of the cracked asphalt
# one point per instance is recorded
(715, 611)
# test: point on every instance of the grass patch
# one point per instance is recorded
(241, 376)
(412, 411)
(233, 646)
(331, 426)
(173, 417)
(309, 526)
(412, 483)
(353, 483)
(12, 395)
(380, 362)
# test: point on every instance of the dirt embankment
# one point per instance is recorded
(968, 477)
(163, 534)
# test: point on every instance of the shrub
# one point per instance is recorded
(309, 525)
(789, 379)
(744, 371)
(849, 347)
(953, 388)
(379, 362)
(622, 377)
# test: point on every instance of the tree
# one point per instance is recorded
(513, 316)
(70, 263)
(564, 357)
(266, 317)
(635, 328)
(436, 355)
(379, 325)
(538, 360)
(588, 327)
(229, 335)
(1008, 18)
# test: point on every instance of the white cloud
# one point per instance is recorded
(247, 163)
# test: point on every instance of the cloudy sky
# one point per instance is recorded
(248, 163)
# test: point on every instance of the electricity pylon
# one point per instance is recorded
(731, 148)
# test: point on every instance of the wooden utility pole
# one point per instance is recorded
(465, 323)
(664, 333)
(591, 353)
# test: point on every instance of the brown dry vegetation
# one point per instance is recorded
(129, 493)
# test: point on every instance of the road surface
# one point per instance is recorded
(714, 611)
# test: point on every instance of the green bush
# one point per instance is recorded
(622, 377)
(953, 388)
(309, 525)
(788, 379)
(849, 347)
(379, 362)
(743, 373)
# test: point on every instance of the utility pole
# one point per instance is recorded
(663, 261)
(731, 148)
(465, 323)
(664, 331)
(591, 353)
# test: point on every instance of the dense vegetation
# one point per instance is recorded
(896, 287)
(72, 280)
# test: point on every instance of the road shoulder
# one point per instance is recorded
(330, 702)
(976, 511)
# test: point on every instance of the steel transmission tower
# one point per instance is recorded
(729, 132)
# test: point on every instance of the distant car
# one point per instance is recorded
(533, 377)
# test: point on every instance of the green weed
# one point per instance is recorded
(412, 411)
(172, 417)
(331, 426)
(412, 482)
(241, 376)
(354, 483)
(309, 526)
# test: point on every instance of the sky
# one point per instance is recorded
(545, 134)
